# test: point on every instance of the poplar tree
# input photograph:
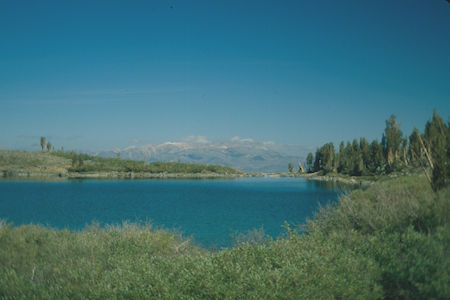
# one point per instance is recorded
(341, 158)
(290, 167)
(356, 159)
(437, 138)
(415, 151)
(318, 161)
(404, 150)
(365, 151)
(346, 159)
(376, 157)
(325, 158)
(392, 138)
(329, 162)
(43, 142)
(309, 162)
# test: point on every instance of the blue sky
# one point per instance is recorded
(101, 74)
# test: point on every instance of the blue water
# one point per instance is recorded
(209, 210)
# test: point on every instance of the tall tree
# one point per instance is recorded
(392, 138)
(309, 162)
(341, 158)
(43, 142)
(346, 159)
(404, 150)
(318, 161)
(365, 151)
(376, 164)
(356, 159)
(415, 151)
(49, 146)
(435, 130)
(290, 167)
(325, 158)
(437, 138)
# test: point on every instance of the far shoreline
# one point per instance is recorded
(24, 176)
(121, 176)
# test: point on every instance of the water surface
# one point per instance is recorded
(210, 210)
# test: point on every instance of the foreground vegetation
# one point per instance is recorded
(390, 241)
(74, 164)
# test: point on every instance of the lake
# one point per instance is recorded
(212, 211)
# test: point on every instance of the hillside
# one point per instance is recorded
(24, 163)
(32, 163)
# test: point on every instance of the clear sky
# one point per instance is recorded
(102, 74)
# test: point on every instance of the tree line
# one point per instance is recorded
(428, 150)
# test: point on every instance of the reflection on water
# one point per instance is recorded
(33, 178)
(333, 185)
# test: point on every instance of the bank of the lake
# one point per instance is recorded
(332, 178)
(352, 180)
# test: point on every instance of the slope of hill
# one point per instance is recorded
(32, 163)
(24, 163)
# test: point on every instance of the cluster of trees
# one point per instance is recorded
(46, 144)
(429, 150)
(301, 168)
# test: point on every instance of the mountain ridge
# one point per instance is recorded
(240, 153)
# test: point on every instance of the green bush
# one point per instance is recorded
(403, 226)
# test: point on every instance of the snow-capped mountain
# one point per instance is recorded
(239, 153)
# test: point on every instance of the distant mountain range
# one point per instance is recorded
(239, 153)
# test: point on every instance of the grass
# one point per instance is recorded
(83, 163)
(25, 162)
(70, 163)
(389, 241)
